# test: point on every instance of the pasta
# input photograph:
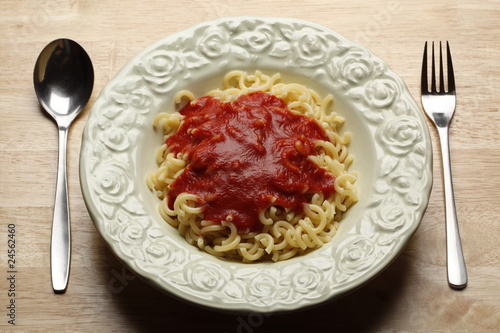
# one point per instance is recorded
(282, 232)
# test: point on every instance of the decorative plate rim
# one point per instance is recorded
(397, 176)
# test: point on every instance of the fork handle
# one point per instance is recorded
(457, 273)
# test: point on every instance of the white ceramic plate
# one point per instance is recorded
(390, 140)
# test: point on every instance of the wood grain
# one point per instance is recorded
(411, 295)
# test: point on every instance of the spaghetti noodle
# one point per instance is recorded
(266, 206)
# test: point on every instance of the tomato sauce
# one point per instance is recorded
(246, 156)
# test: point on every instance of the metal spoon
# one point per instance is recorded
(63, 79)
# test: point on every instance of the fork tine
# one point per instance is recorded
(441, 74)
(451, 75)
(433, 72)
(424, 85)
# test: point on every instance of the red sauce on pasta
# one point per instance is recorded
(246, 156)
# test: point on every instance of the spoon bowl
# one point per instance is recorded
(63, 78)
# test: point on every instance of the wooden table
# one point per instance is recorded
(411, 295)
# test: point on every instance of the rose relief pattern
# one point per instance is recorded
(124, 111)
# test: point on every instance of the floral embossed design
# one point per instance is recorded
(214, 43)
(112, 183)
(356, 255)
(400, 135)
(161, 68)
(162, 253)
(133, 232)
(132, 95)
(310, 47)
(115, 138)
(354, 67)
(403, 180)
(381, 93)
(263, 286)
(206, 276)
(131, 235)
(389, 217)
(257, 40)
(306, 280)
(375, 97)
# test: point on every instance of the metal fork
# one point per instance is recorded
(440, 107)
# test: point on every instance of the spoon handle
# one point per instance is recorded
(61, 238)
